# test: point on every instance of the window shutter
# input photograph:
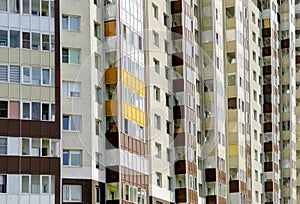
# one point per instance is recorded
(14, 74)
(4, 73)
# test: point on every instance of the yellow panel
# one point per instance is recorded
(133, 83)
(111, 75)
(133, 114)
(110, 28)
(266, 23)
(4, 55)
(233, 150)
(111, 107)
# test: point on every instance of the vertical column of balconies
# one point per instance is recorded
(111, 101)
(297, 62)
(270, 101)
(288, 101)
(184, 102)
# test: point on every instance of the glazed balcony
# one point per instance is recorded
(268, 146)
(180, 167)
(267, 70)
(267, 51)
(177, 32)
(177, 59)
(110, 10)
(112, 174)
(268, 166)
(285, 43)
(268, 186)
(111, 75)
(210, 175)
(178, 85)
(267, 89)
(112, 140)
(267, 107)
(176, 7)
(179, 139)
(180, 195)
(178, 112)
(111, 107)
(234, 186)
(211, 199)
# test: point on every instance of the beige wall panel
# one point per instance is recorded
(26, 92)
(52, 60)
(45, 59)
(26, 57)
(35, 58)
(4, 55)
(14, 91)
(14, 56)
(4, 91)
(45, 93)
(35, 93)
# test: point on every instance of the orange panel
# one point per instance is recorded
(110, 28)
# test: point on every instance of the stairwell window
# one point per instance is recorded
(72, 193)
(71, 56)
(71, 89)
(97, 32)
(155, 38)
(3, 109)
(72, 158)
(157, 121)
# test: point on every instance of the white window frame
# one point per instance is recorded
(70, 193)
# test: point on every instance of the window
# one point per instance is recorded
(170, 183)
(256, 196)
(35, 7)
(168, 100)
(158, 179)
(254, 95)
(255, 155)
(14, 39)
(25, 184)
(98, 127)
(71, 158)
(98, 94)
(3, 109)
(3, 37)
(256, 175)
(97, 32)
(36, 76)
(26, 40)
(71, 89)
(45, 42)
(254, 76)
(156, 93)
(255, 115)
(158, 150)
(98, 194)
(72, 193)
(155, 11)
(35, 42)
(70, 23)
(3, 146)
(26, 111)
(3, 183)
(254, 56)
(35, 111)
(3, 5)
(167, 47)
(98, 161)
(169, 152)
(157, 122)
(97, 61)
(167, 73)
(168, 128)
(3, 73)
(71, 123)
(155, 38)
(253, 36)
(253, 18)
(46, 76)
(71, 56)
(156, 65)
(255, 135)
(166, 20)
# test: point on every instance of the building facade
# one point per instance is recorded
(30, 102)
(132, 101)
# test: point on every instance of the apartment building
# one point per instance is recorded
(156, 101)
(30, 102)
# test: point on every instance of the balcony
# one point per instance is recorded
(267, 107)
(112, 140)
(110, 28)
(268, 146)
(268, 166)
(179, 139)
(234, 186)
(266, 32)
(211, 199)
(285, 43)
(177, 59)
(268, 186)
(111, 75)
(176, 32)
(267, 70)
(267, 51)
(178, 112)
(180, 195)
(267, 89)
(180, 167)
(298, 59)
(111, 108)
(176, 7)
(178, 85)
(112, 174)
(210, 175)
(112, 202)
